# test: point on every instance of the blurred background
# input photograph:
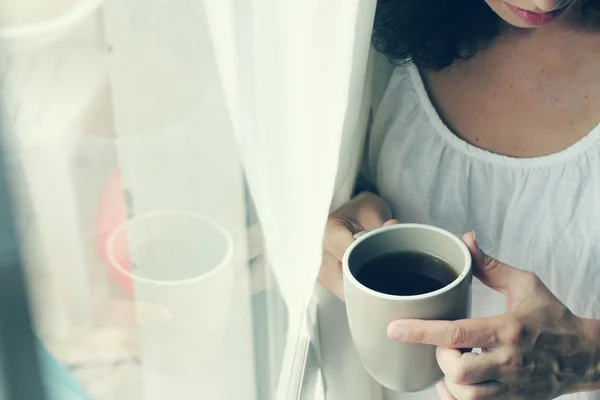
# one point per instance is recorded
(162, 195)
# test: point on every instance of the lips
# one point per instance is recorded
(532, 18)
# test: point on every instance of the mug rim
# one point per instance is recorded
(461, 277)
(225, 260)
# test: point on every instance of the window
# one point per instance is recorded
(168, 192)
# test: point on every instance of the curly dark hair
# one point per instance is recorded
(434, 33)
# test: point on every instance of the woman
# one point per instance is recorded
(490, 125)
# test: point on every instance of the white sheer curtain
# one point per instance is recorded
(134, 127)
(294, 74)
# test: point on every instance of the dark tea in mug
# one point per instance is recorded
(406, 273)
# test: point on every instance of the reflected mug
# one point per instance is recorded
(405, 367)
(180, 263)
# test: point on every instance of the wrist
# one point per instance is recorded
(591, 332)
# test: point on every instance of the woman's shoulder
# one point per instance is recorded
(386, 76)
(399, 97)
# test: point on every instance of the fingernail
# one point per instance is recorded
(359, 234)
(438, 389)
(475, 241)
(399, 333)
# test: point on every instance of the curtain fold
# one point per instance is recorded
(343, 374)
(294, 83)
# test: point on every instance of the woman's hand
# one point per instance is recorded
(364, 212)
(537, 350)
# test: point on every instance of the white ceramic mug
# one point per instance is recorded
(183, 263)
(402, 366)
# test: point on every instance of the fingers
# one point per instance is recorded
(481, 391)
(387, 223)
(370, 211)
(467, 333)
(338, 237)
(443, 391)
(491, 272)
(365, 212)
(330, 275)
(467, 368)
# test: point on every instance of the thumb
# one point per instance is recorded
(491, 272)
